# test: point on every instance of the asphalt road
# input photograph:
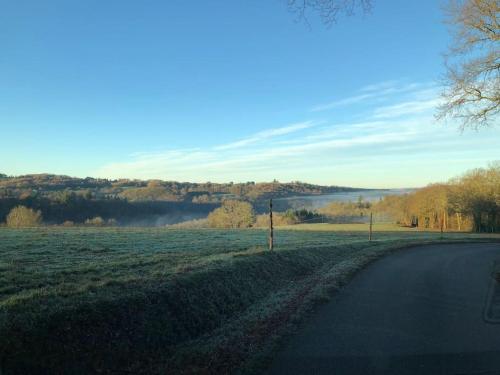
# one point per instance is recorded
(426, 310)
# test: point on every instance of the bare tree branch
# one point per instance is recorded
(328, 10)
(472, 82)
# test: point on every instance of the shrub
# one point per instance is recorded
(232, 214)
(279, 219)
(96, 221)
(21, 216)
(289, 217)
(68, 223)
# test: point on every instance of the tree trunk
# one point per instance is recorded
(476, 225)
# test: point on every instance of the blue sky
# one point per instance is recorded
(228, 91)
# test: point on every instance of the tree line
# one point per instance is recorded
(59, 188)
(136, 202)
(470, 202)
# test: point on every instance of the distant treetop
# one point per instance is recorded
(65, 189)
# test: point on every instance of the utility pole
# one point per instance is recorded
(371, 226)
(271, 234)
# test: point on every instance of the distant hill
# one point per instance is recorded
(133, 201)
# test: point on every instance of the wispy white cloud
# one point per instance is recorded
(378, 92)
(266, 134)
(395, 137)
(406, 108)
(219, 164)
(343, 102)
(381, 86)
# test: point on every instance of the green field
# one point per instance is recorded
(386, 228)
(83, 300)
(71, 262)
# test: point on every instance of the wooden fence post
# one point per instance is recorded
(271, 234)
(371, 225)
(442, 225)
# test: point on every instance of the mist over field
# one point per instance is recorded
(162, 220)
(319, 201)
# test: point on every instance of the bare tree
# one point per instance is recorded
(328, 10)
(472, 83)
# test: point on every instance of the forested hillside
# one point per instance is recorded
(136, 202)
(57, 187)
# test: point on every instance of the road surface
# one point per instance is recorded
(426, 310)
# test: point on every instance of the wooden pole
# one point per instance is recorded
(371, 227)
(442, 225)
(271, 233)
